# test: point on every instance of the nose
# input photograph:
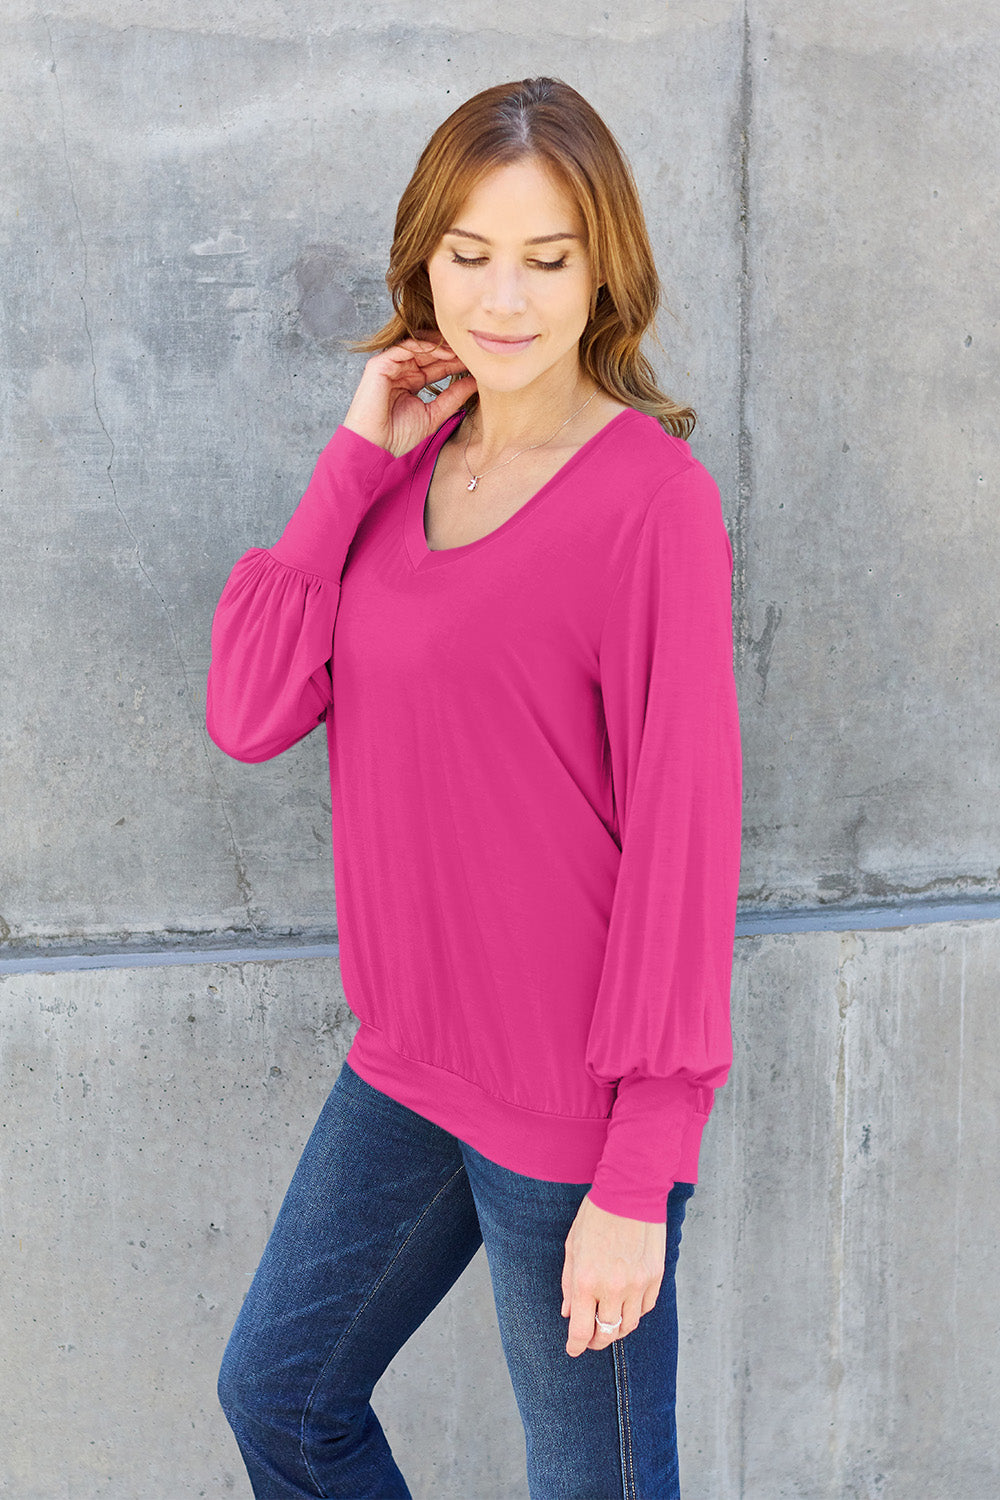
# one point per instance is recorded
(503, 295)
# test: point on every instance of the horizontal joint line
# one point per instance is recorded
(749, 923)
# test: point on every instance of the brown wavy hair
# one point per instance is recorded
(544, 118)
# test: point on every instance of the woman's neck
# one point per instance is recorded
(508, 420)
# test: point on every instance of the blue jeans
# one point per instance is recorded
(383, 1214)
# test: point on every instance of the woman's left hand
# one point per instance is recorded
(613, 1269)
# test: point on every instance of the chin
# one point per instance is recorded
(500, 374)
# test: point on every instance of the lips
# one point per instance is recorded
(495, 343)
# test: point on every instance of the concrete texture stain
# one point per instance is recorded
(326, 309)
(763, 645)
(225, 243)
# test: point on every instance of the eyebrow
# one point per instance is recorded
(539, 239)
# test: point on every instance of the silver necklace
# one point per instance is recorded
(475, 478)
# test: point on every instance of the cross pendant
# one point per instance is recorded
(473, 482)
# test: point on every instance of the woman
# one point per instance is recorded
(535, 766)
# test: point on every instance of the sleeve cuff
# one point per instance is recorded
(653, 1137)
(344, 482)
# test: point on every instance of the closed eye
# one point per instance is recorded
(480, 260)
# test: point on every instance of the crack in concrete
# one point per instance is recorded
(848, 951)
(958, 1221)
(744, 450)
(763, 645)
(243, 884)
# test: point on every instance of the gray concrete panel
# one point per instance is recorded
(838, 1318)
(840, 1311)
(152, 1120)
(203, 215)
(871, 646)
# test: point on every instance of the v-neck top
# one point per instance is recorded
(420, 481)
(536, 789)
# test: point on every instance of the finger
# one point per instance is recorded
(411, 355)
(440, 368)
(414, 372)
(447, 403)
(425, 359)
(600, 1339)
(567, 1281)
(631, 1313)
(581, 1324)
(413, 379)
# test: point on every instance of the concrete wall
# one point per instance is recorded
(199, 202)
(837, 1277)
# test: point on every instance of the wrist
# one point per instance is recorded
(366, 430)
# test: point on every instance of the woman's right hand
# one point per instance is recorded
(387, 408)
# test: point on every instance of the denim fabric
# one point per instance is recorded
(383, 1214)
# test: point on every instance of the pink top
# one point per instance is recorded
(535, 768)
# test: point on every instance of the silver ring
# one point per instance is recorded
(608, 1327)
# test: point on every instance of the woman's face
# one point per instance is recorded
(511, 280)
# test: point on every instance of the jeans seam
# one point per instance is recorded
(306, 1410)
(624, 1425)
